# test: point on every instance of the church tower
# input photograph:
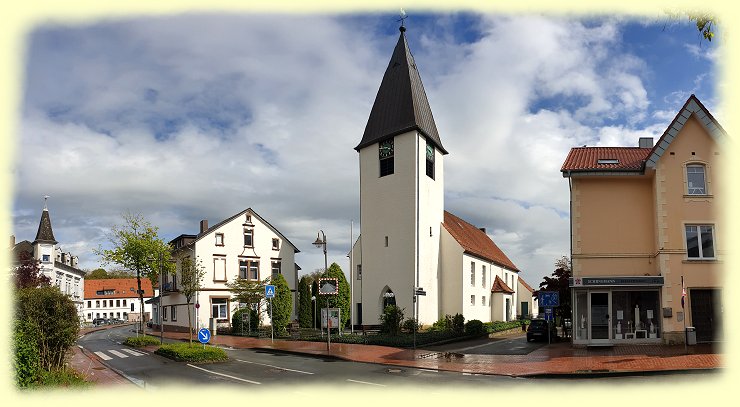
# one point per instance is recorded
(44, 244)
(401, 197)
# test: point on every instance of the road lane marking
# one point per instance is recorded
(361, 382)
(276, 367)
(224, 375)
(133, 352)
(117, 353)
(429, 370)
(103, 355)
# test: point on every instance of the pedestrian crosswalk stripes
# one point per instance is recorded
(119, 353)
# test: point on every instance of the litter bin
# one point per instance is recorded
(212, 326)
(690, 335)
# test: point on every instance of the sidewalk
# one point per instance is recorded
(91, 366)
(554, 359)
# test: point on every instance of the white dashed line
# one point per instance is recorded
(276, 367)
(361, 382)
(103, 356)
(224, 375)
(133, 352)
(117, 353)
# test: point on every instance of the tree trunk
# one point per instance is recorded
(190, 324)
(141, 300)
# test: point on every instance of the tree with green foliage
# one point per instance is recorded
(391, 319)
(191, 277)
(315, 294)
(26, 358)
(340, 300)
(136, 246)
(559, 282)
(282, 304)
(305, 305)
(238, 324)
(51, 317)
(249, 292)
(101, 274)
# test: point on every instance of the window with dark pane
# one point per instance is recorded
(430, 160)
(385, 154)
(696, 182)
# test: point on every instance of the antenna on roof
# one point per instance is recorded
(403, 17)
(45, 198)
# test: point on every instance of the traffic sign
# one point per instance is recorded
(204, 335)
(549, 298)
(328, 286)
(548, 314)
(420, 291)
(269, 291)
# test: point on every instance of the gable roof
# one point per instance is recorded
(401, 104)
(500, 287)
(122, 288)
(587, 159)
(45, 234)
(476, 242)
(635, 159)
(525, 285)
(692, 107)
(225, 221)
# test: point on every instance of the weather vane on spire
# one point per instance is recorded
(45, 198)
(403, 17)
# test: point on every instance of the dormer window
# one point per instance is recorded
(608, 161)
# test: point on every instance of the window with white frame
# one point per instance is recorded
(218, 308)
(696, 181)
(174, 312)
(254, 270)
(472, 274)
(700, 241)
(483, 271)
(275, 267)
(219, 239)
(124, 303)
(97, 303)
(248, 237)
(219, 269)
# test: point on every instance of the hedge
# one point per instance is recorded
(140, 341)
(184, 352)
(26, 358)
(499, 326)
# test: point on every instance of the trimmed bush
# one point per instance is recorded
(282, 304)
(140, 341)
(390, 320)
(458, 324)
(236, 321)
(499, 326)
(408, 325)
(474, 327)
(185, 352)
(26, 363)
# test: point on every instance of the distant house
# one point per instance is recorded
(117, 298)
(528, 306)
(243, 246)
(647, 235)
(60, 267)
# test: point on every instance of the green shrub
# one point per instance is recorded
(185, 352)
(237, 326)
(139, 341)
(390, 320)
(458, 324)
(499, 326)
(443, 324)
(26, 359)
(408, 325)
(62, 378)
(474, 327)
(282, 304)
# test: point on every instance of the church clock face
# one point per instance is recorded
(430, 152)
(386, 148)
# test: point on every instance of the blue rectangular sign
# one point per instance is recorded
(548, 314)
(548, 298)
(269, 291)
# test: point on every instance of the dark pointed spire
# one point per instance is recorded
(401, 104)
(45, 234)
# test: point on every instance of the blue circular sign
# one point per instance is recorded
(204, 335)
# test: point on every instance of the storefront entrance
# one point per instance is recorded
(706, 314)
(599, 317)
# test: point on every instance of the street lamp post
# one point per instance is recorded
(313, 301)
(321, 242)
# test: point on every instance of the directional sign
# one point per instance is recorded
(269, 291)
(549, 298)
(204, 335)
(420, 291)
(548, 314)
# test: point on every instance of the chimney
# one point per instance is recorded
(203, 225)
(646, 142)
(483, 230)
(12, 240)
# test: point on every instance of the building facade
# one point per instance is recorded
(646, 228)
(242, 246)
(527, 306)
(59, 266)
(408, 241)
(117, 298)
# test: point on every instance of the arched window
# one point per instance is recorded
(389, 298)
(696, 179)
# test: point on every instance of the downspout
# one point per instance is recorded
(416, 280)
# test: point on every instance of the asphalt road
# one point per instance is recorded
(484, 346)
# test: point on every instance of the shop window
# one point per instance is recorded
(636, 315)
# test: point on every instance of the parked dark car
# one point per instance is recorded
(98, 321)
(538, 330)
(116, 321)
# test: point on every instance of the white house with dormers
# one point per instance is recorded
(244, 245)
(408, 240)
(59, 266)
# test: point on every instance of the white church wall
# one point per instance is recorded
(450, 282)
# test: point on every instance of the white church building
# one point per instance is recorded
(408, 241)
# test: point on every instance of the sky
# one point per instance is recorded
(197, 116)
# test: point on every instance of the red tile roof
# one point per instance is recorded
(500, 287)
(587, 159)
(123, 288)
(474, 241)
(524, 283)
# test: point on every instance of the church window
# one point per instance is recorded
(385, 154)
(430, 160)
(386, 241)
(472, 274)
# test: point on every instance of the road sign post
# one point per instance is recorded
(328, 286)
(204, 335)
(270, 294)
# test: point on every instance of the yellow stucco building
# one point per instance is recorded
(645, 228)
